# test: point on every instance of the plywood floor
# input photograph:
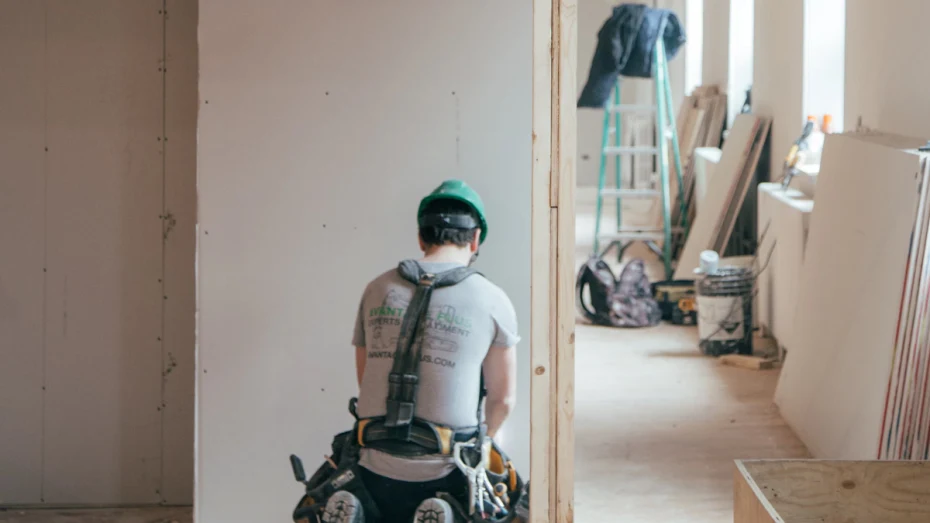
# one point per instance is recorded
(658, 425)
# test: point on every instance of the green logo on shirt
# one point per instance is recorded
(443, 318)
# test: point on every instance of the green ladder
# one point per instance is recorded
(665, 130)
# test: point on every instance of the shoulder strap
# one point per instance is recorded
(404, 378)
(412, 272)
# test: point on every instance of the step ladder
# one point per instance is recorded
(665, 131)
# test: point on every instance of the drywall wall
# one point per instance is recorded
(740, 51)
(96, 280)
(694, 48)
(591, 16)
(887, 72)
(321, 126)
(824, 59)
(716, 59)
(777, 87)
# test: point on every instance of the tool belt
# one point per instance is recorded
(418, 438)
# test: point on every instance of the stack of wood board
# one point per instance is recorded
(699, 123)
(783, 222)
(726, 191)
(705, 162)
(854, 380)
(805, 491)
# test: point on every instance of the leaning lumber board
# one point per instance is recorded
(745, 181)
(747, 362)
(806, 491)
(720, 190)
(716, 121)
(833, 385)
(688, 143)
(705, 90)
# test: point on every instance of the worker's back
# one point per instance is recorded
(464, 322)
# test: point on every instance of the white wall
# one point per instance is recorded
(777, 87)
(96, 272)
(321, 126)
(716, 57)
(740, 44)
(694, 48)
(887, 67)
(824, 59)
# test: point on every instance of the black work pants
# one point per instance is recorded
(398, 500)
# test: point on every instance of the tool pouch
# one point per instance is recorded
(500, 469)
(328, 480)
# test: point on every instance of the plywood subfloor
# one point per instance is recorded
(118, 515)
(658, 425)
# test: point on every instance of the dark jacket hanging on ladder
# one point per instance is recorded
(625, 46)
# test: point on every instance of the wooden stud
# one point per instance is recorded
(553, 251)
(540, 314)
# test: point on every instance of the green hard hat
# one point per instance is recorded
(457, 190)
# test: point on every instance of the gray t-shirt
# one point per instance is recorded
(464, 322)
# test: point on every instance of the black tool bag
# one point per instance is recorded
(616, 302)
(339, 472)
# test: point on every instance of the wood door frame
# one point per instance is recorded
(552, 387)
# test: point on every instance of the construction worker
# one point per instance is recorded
(468, 335)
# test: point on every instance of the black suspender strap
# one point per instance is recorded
(404, 378)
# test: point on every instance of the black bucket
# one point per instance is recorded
(724, 301)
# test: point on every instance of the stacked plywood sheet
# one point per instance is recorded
(783, 221)
(699, 123)
(726, 191)
(705, 161)
(854, 381)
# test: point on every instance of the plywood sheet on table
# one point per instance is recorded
(832, 387)
(805, 491)
(22, 248)
(103, 425)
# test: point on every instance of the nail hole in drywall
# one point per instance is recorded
(327, 93)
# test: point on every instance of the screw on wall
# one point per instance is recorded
(172, 363)
(170, 223)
